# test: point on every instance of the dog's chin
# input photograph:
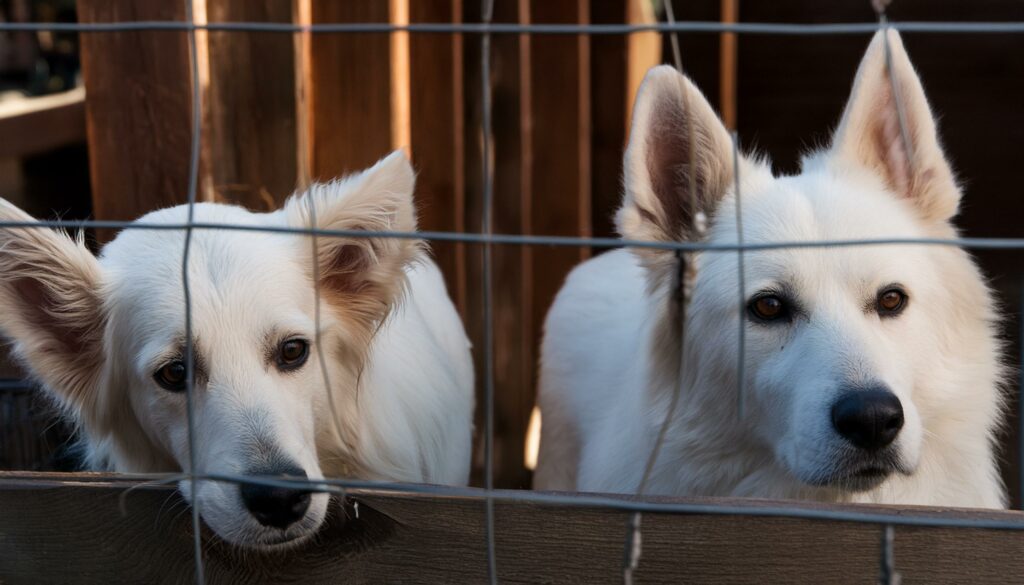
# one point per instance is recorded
(860, 475)
(271, 539)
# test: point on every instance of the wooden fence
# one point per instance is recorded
(144, 535)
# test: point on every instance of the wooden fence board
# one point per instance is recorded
(59, 528)
(138, 109)
(251, 106)
(352, 92)
(436, 133)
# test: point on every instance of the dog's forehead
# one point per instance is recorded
(815, 208)
(237, 279)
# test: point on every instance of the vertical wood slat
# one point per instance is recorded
(618, 66)
(138, 110)
(353, 90)
(560, 179)
(728, 53)
(436, 119)
(251, 108)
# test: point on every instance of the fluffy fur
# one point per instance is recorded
(94, 332)
(611, 350)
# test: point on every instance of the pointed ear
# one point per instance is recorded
(870, 133)
(51, 308)
(363, 275)
(667, 178)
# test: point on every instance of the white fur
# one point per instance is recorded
(396, 354)
(610, 356)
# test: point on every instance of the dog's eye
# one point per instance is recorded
(891, 302)
(292, 354)
(767, 307)
(171, 376)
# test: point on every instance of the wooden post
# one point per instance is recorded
(138, 109)
(728, 56)
(355, 90)
(619, 64)
(436, 136)
(252, 106)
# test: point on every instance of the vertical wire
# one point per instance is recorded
(487, 14)
(193, 182)
(317, 334)
(889, 576)
(741, 364)
(681, 285)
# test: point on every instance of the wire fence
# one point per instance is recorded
(486, 238)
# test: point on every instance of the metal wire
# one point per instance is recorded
(888, 574)
(487, 14)
(193, 185)
(764, 28)
(692, 506)
(528, 240)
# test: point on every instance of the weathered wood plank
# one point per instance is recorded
(34, 125)
(138, 110)
(353, 89)
(60, 528)
(436, 132)
(251, 108)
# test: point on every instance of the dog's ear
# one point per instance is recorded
(51, 307)
(658, 175)
(871, 133)
(362, 274)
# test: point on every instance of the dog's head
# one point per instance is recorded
(107, 338)
(854, 356)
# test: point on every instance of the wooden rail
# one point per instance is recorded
(70, 528)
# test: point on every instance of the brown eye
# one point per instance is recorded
(171, 376)
(292, 354)
(767, 307)
(891, 302)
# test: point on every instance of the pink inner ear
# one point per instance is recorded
(891, 146)
(40, 307)
(668, 161)
(341, 271)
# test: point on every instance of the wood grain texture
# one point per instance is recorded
(436, 129)
(61, 528)
(560, 144)
(35, 125)
(352, 122)
(251, 106)
(138, 110)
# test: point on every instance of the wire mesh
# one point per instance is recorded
(487, 239)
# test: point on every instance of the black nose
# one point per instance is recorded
(870, 419)
(276, 506)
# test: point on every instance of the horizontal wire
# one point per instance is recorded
(898, 517)
(509, 28)
(526, 240)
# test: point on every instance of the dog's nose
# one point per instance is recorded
(276, 506)
(870, 419)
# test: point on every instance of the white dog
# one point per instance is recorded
(872, 372)
(107, 338)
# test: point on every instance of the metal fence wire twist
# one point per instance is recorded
(683, 252)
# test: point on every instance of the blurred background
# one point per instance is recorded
(97, 126)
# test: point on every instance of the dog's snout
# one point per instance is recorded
(278, 507)
(870, 419)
